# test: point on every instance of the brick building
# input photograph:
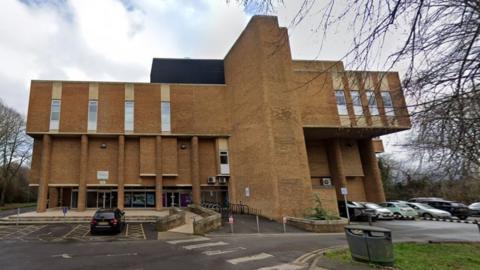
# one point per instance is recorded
(256, 127)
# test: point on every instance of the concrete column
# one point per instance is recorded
(82, 183)
(121, 172)
(158, 174)
(373, 180)
(195, 172)
(44, 174)
(335, 163)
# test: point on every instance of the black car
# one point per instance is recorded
(459, 210)
(107, 220)
(356, 211)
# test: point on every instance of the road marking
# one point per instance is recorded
(218, 252)
(286, 266)
(196, 239)
(205, 245)
(260, 256)
(64, 255)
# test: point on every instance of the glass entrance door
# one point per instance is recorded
(173, 199)
(104, 200)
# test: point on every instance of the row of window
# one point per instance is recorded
(93, 114)
(357, 102)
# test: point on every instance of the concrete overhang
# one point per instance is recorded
(320, 133)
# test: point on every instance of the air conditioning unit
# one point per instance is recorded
(326, 181)
(212, 180)
(222, 180)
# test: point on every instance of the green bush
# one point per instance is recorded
(318, 213)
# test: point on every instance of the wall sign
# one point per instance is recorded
(102, 175)
(247, 192)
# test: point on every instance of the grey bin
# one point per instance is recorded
(372, 244)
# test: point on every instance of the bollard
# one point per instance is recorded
(284, 226)
(230, 220)
(258, 225)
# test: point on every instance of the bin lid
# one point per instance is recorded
(367, 228)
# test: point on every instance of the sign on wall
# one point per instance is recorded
(247, 192)
(102, 175)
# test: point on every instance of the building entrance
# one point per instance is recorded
(101, 198)
(177, 197)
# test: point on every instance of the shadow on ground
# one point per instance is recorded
(248, 224)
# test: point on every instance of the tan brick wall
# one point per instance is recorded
(318, 159)
(65, 161)
(206, 154)
(351, 158)
(102, 159)
(132, 161)
(328, 197)
(356, 190)
(184, 162)
(147, 108)
(34, 176)
(39, 107)
(111, 106)
(147, 155)
(170, 156)
(74, 107)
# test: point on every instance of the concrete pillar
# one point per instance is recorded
(195, 172)
(158, 173)
(121, 172)
(373, 180)
(82, 183)
(335, 163)
(52, 197)
(44, 174)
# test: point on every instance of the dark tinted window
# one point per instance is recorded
(104, 215)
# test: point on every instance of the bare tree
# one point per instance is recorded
(438, 43)
(15, 147)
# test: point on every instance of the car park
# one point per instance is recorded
(474, 209)
(107, 220)
(455, 208)
(427, 211)
(380, 212)
(401, 210)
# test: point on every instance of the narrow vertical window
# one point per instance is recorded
(165, 113)
(357, 102)
(224, 166)
(388, 104)
(55, 114)
(341, 102)
(129, 108)
(92, 115)
(372, 102)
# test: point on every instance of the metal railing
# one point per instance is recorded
(229, 209)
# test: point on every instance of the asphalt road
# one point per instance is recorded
(10, 212)
(216, 251)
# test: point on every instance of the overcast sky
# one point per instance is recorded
(115, 40)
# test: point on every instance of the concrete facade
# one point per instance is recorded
(271, 135)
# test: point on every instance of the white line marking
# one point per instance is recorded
(286, 266)
(197, 239)
(218, 252)
(205, 245)
(259, 256)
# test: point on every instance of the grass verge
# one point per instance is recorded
(416, 256)
(9, 206)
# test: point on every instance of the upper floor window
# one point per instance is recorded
(92, 115)
(55, 114)
(129, 108)
(372, 102)
(357, 102)
(165, 113)
(341, 102)
(224, 166)
(388, 104)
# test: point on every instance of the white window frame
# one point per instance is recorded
(224, 166)
(92, 115)
(372, 103)
(388, 103)
(55, 123)
(129, 115)
(341, 102)
(165, 116)
(357, 102)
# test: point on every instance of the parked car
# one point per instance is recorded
(474, 209)
(457, 209)
(380, 212)
(107, 220)
(401, 210)
(355, 210)
(425, 210)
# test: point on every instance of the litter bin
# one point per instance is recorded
(372, 244)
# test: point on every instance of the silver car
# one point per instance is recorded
(380, 212)
(426, 211)
(474, 209)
